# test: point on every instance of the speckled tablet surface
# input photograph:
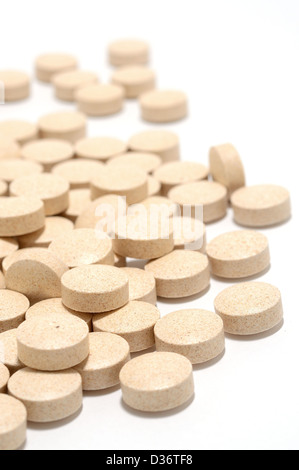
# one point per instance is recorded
(9, 148)
(54, 227)
(147, 162)
(100, 99)
(78, 172)
(4, 377)
(142, 285)
(20, 215)
(160, 106)
(189, 234)
(100, 148)
(99, 213)
(16, 168)
(48, 152)
(166, 144)
(13, 423)
(8, 246)
(227, 167)
(66, 125)
(9, 351)
(177, 173)
(79, 201)
(13, 307)
(20, 131)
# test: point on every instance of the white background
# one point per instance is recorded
(238, 62)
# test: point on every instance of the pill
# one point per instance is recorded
(51, 345)
(16, 168)
(206, 195)
(147, 162)
(128, 52)
(7, 247)
(226, 167)
(79, 200)
(163, 143)
(157, 382)
(122, 181)
(135, 80)
(20, 215)
(16, 85)
(100, 148)
(19, 255)
(52, 189)
(177, 173)
(83, 247)
(37, 275)
(142, 285)
(108, 354)
(100, 100)
(13, 423)
(261, 206)
(161, 106)
(78, 172)
(180, 274)
(95, 289)
(54, 227)
(4, 377)
(9, 351)
(55, 306)
(119, 261)
(66, 84)
(2, 281)
(239, 254)
(161, 205)
(20, 131)
(47, 396)
(48, 152)
(249, 308)
(13, 307)
(70, 126)
(3, 188)
(134, 322)
(48, 65)
(102, 213)
(9, 148)
(189, 234)
(154, 187)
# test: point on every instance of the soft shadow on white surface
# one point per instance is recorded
(184, 300)
(244, 279)
(101, 393)
(209, 364)
(257, 337)
(56, 424)
(161, 415)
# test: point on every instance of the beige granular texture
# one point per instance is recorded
(134, 322)
(227, 168)
(70, 126)
(79, 172)
(189, 234)
(163, 143)
(9, 351)
(16, 168)
(16, 85)
(100, 212)
(100, 148)
(177, 173)
(3, 188)
(54, 227)
(249, 308)
(128, 52)
(195, 334)
(49, 65)
(9, 148)
(157, 382)
(161, 205)
(13, 307)
(56, 307)
(67, 84)
(207, 194)
(8, 246)
(58, 343)
(95, 289)
(20, 215)
(142, 285)
(154, 187)
(180, 274)
(48, 152)
(52, 189)
(47, 396)
(79, 201)
(237, 255)
(147, 162)
(13, 423)
(82, 247)
(261, 206)
(18, 256)
(123, 181)
(100, 100)
(108, 354)
(2, 281)
(4, 377)
(37, 275)
(164, 106)
(119, 261)
(135, 80)
(20, 131)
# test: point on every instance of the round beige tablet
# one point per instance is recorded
(7, 247)
(210, 196)
(123, 181)
(18, 256)
(227, 167)
(79, 172)
(134, 322)
(82, 247)
(9, 351)
(128, 52)
(4, 377)
(157, 382)
(79, 201)
(70, 126)
(100, 148)
(147, 162)
(163, 143)
(189, 234)
(13, 307)
(20, 215)
(195, 334)
(16, 85)
(17, 168)
(176, 173)
(37, 275)
(13, 423)
(261, 206)
(95, 289)
(108, 354)
(20, 131)
(249, 308)
(9, 148)
(54, 227)
(161, 205)
(48, 152)
(48, 65)
(164, 106)
(239, 254)
(180, 274)
(120, 261)
(102, 213)
(154, 187)
(66, 84)
(135, 80)
(52, 189)
(2, 281)
(3, 188)
(142, 285)
(100, 100)
(47, 396)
